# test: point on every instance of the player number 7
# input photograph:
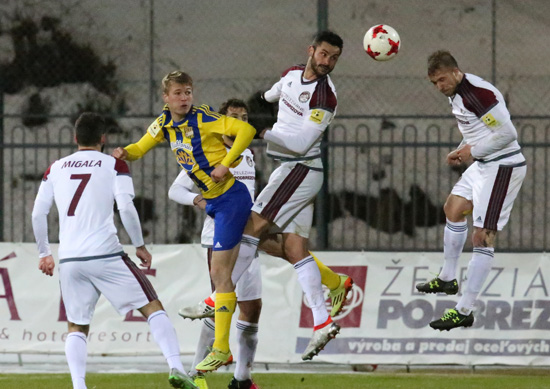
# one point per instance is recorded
(85, 178)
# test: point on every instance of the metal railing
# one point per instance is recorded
(386, 184)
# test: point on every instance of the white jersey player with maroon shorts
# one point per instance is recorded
(307, 103)
(84, 186)
(487, 189)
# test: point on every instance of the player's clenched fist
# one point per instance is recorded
(120, 153)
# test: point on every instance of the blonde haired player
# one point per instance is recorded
(249, 286)
(487, 189)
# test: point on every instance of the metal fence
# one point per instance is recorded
(386, 179)
(387, 183)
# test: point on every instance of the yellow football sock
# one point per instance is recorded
(225, 307)
(328, 278)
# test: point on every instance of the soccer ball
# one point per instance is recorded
(381, 42)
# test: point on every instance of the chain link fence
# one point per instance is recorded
(386, 177)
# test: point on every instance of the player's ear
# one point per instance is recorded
(311, 50)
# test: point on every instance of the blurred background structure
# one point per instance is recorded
(385, 151)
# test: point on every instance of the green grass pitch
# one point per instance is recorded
(436, 379)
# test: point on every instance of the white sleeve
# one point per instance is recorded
(273, 95)
(501, 137)
(130, 218)
(40, 211)
(181, 190)
(124, 193)
(315, 123)
(497, 119)
(297, 143)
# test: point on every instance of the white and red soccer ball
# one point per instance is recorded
(381, 42)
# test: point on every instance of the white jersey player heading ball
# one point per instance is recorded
(487, 189)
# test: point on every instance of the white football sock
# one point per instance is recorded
(165, 336)
(478, 270)
(247, 252)
(206, 340)
(454, 238)
(247, 337)
(76, 353)
(309, 278)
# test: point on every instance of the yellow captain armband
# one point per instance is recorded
(317, 116)
(490, 120)
(468, 212)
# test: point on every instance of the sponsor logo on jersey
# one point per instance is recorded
(304, 96)
(296, 111)
(180, 145)
(489, 120)
(289, 84)
(249, 161)
(462, 121)
(317, 116)
(185, 160)
(291, 104)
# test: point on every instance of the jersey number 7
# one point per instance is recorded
(85, 178)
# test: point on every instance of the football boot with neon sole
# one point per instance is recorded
(214, 361)
(437, 285)
(339, 295)
(179, 379)
(452, 319)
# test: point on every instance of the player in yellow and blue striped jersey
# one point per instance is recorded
(196, 138)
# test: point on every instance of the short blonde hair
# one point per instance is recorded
(441, 59)
(177, 77)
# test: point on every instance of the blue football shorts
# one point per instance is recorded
(230, 212)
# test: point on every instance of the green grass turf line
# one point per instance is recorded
(423, 380)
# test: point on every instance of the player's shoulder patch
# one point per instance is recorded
(159, 122)
(121, 168)
(317, 116)
(490, 120)
(300, 67)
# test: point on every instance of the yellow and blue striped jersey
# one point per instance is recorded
(198, 144)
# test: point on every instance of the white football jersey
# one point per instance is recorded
(480, 110)
(245, 172)
(301, 103)
(84, 186)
